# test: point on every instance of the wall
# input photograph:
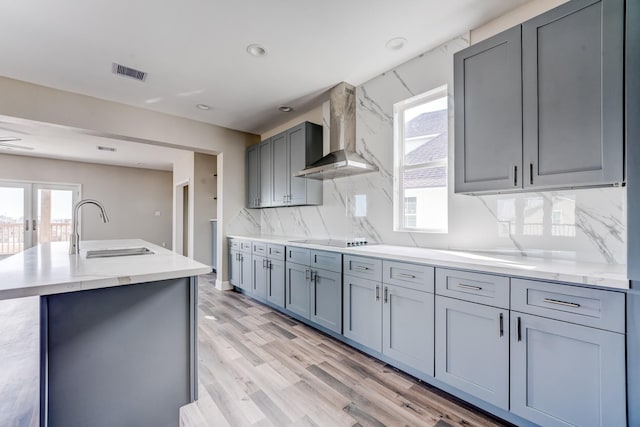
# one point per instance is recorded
(131, 196)
(596, 224)
(205, 206)
(33, 102)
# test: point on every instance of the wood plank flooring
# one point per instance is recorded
(257, 367)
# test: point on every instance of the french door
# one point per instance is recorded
(32, 213)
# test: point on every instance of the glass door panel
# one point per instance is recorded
(15, 232)
(53, 211)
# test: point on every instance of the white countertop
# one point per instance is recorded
(604, 275)
(49, 269)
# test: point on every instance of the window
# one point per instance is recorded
(421, 149)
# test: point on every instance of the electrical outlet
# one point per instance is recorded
(164, 244)
(157, 213)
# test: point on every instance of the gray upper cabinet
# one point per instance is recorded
(253, 176)
(573, 58)
(488, 112)
(279, 169)
(564, 374)
(264, 186)
(291, 151)
(541, 106)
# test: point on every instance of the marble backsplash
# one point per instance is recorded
(586, 225)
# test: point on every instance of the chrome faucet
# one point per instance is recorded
(74, 241)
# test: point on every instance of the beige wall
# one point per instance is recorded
(205, 207)
(131, 196)
(515, 17)
(42, 104)
(313, 116)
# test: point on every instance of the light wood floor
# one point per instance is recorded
(257, 368)
(261, 368)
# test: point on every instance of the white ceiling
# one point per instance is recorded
(58, 142)
(194, 50)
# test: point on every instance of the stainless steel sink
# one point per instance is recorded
(106, 253)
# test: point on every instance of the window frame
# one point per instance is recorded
(399, 168)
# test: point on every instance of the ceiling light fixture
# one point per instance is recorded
(285, 109)
(103, 148)
(396, 43)
(203, 107)
(256, 50)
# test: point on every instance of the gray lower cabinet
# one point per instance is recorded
(363, 311)
(240, 270)
(472, 349)
(275, 282)
(408, 333)
(326, 299)
(566, 374)
(260, 276)
(297, 291)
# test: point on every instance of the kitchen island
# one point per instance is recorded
(117, 334)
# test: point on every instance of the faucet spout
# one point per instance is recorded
(74, 240)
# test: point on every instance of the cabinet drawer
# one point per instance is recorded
(239, 245)
(298, 255)
(259, 248)
(275, 252)
(414, 276)
(475, 287)
(590, 307)
(367, 268)
(331, 261)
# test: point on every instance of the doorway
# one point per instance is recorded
(35, 212)
(182, 224)
(185, 220)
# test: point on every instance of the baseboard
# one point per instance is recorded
(223, 286)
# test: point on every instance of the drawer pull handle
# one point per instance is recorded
(473, 288)
(359, 267)
(564, 303)
(408, 276)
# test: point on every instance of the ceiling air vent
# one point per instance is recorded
(121, 70)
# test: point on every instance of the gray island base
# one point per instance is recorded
(121, 356)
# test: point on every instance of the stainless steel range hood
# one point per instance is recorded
(342, 159)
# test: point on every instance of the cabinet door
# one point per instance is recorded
(488, 114)
(275, 282)
(326, 299)
(245, 272)
(573, 58)
(565, 374)
(259, 276)
(253, 176)
(265, 160)
(472, 349)
(297, 289)
(408, 327)
(279, 170)
(363, 311)
(234, 268)
(298, 186)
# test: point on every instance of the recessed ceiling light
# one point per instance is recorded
(103, 148)
(396, 43)
(285, 109)
(256, 50)
(203, 107)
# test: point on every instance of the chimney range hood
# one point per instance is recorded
(342, 159)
